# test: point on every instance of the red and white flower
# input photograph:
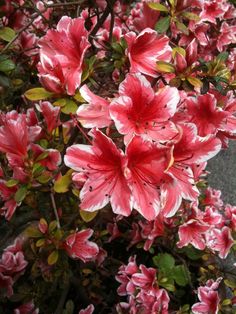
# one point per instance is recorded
(145, 49)
(78, 246)
(141, 111)
(95, 113)
(62, 54)
(104, 165)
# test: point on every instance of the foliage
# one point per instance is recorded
(110, 111)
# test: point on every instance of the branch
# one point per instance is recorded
(62, 300)
(34, 16)
(55, 209)
(103, 18)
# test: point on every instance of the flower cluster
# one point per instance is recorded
(140, 285)
(110, 112)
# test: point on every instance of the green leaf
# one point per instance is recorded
(180, 275)
(37, 93)
(181, 27)
(69, 307)
(87, 216)
(162, 25)
(33, 232)
(7, 65)
(67, 105)
(37, 169)
(164, 261)
(226, 302)
(52, 226)
(78, 97)
(40, 242)
(173, 3)
(63, 183)
(70, 107)
(195, 81)
(42, 156)
(229, 283)
(223, 56)
(44, 178)
(20, 194)
(179, 50)
(4, 81)
(11, 182)
(192, 253)
(53, 257)
(157, 7)
(165, 67)
(7, 33)
(191, 16)
(169, 287)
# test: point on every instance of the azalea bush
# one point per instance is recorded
(110, 111)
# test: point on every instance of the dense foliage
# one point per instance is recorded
(110, 111)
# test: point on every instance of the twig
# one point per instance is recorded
(81, 130)
(34, 16)
(111, 25)
(55, 209)
(103, 18)
(54, 5)
(62, 300)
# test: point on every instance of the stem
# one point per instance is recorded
(103, 18)
(62, 300)
(54, 5)
(55, 210)
(111, 25)
(34, 16)
(81, 130)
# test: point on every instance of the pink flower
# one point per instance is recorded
(89, 310)
(182, 62)
(153, 301)
(95, 113)
(212, 197)
(192, 232)
(198, 32)
(145, 279)
(61, 55)
(230, 213)
(179, 180)
(211, 216)
(140, 111)
(12, 266)
(77, 246)
(7, 195)
(51, 115)
(192, 148)
(143, 16)
(50, 158)
(14, 137)
(220, 240)
(150, 230)
(211, 10)
(145, 49)
(209, 299)
(27, 308)
(146, 165)
(226, 36)
(104, 165)
(209, 118)
(114, 231)
(124, 275)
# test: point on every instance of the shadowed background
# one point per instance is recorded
(223, 173)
